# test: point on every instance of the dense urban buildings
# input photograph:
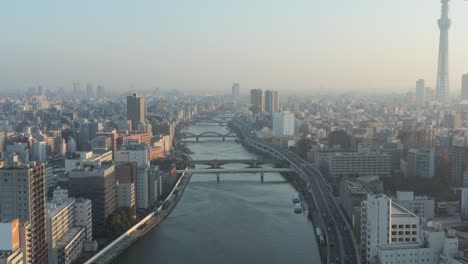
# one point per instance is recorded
(378, 167)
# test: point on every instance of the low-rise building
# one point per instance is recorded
(435, 246)
(10, 250)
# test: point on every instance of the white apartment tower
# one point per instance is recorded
(283, 124)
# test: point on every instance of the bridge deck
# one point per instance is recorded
(226, 161)
(245, 170)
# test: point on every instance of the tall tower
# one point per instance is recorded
(442, 86)
(235, 93)
(135, 110)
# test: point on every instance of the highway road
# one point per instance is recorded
(340, 246)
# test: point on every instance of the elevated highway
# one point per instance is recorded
(340, 244)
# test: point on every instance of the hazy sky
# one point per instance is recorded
(209, 44)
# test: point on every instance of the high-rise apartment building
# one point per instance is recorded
(23, 196)
(385, 222)
(271, 101)
(66, 235)
(135, 110)
(420, 92)
(140, 154)
(235, 93)
(126, 173)
(464, 87)
(443, 85)
(256, 98)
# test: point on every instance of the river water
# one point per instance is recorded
(239, 220)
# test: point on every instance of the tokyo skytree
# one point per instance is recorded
(443, 86)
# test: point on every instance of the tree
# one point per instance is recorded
(254, 109)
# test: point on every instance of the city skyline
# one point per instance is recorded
(209, 45)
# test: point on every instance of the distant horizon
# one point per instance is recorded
(207, 45)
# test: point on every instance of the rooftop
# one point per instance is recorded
(400, 211)
(399, 246)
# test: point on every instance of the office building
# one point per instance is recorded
(271, 102)
(235, 93)
(357, 164)
(393, 151)
(421, 206)
(442, 86)
(420, 163)
(23, 196)
(385, 222)
(459, 164)
(256, 99)
(135, 110)
(464, 87)
(283, 124)
(96, 183)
